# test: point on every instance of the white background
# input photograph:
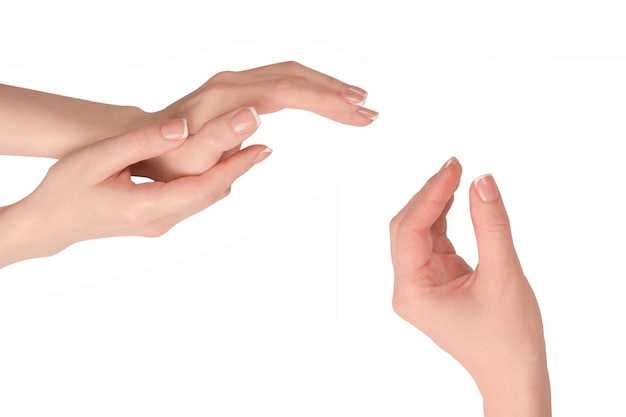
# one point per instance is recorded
(276, 301)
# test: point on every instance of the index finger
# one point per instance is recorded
(411, 228)
(296, 70)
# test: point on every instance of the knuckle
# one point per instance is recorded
(283, 86)
(394, 224)
(209, 136)
(497, 224)
(295, 71)
(293, 67)
(223, 76)
(225, 193)
(155, 230)
(138, 142)
(214, 197)
(215, 91)
(399, 306)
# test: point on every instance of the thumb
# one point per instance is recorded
(110, 156)
(491, 226)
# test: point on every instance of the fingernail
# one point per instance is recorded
(448, 163)
(245, 121)
(263, 155)
(354, 98)
(175, 129)
(370, 114)
(358, 91)
(486, 188)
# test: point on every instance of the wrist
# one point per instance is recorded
(522, 390)
(17, 236)
(27, 233)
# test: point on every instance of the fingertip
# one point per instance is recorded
(436, 196)
(371, 115)
(245, 121)
(450, 162)
(263, 155)
(451, 170)
(486, 188)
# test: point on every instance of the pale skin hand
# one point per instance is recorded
(487, 318)
(88, 194)
(269, 89)
(35, 123)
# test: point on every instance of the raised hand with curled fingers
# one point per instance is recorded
(488, 317)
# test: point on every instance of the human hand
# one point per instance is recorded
(89, 194)
(487, 318)
(268, 89)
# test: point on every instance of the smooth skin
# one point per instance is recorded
(488, 317)
(89, 194)
(35, 123)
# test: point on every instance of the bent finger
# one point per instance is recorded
(411, 229)
(427, 205)
(189, 195)
(220, 135)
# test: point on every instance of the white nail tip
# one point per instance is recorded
(256, 115)
(186, 131)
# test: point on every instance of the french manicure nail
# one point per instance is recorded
(486, 188)
(245, 121)
(175, 129)
(358, 91)
(370, 114)
(448, 163)
(353, 98)
(263, 155)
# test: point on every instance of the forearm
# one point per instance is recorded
(34, 123)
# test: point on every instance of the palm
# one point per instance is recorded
(447, 267)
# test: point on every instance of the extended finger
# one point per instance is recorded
(291, 70)
(492, 228)
(269, 96)
(274, 95)
(108, 157)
